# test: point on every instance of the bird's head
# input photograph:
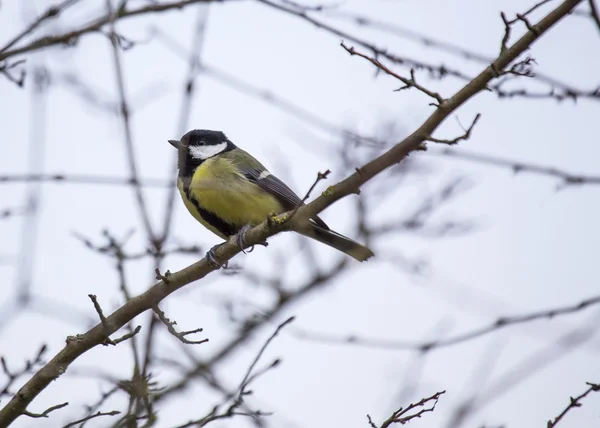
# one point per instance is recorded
(201, 144)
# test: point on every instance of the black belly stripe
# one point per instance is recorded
(215, 221)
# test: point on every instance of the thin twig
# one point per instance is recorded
(179, 335)
(463, 137)
(46, 412)
(93, 416)
(404, 415)
(573, 402)
(320, 176)
(106, 326)
(246, 378)
(409, 83)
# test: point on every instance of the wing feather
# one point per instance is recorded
(276, 187)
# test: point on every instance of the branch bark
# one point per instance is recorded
(78, 345)
(68, 38)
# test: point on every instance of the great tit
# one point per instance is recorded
(228, 191)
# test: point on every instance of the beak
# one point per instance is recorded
(175, 143)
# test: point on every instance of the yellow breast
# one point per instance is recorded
(218, 187)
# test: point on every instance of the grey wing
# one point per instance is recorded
(279, 189)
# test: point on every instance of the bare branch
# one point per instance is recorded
(51, 12)
(559, 90)
(404, 415)
(87, 418)
(518, 167)
(462, 137)
(258, 234)
(6, 68)
(320, 176)
(409, 83)
(123, 12)
(237, 399)
(246, 379)
(30, 365)
(105, 325)
(496, 325)
(573, 402)
(179, 335)
(46, 412)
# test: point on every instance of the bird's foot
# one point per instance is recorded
(240, 238)
(211, 257)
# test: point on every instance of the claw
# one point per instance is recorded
(240, 238)
(211, 257)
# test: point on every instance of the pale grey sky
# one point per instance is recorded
(534, 247)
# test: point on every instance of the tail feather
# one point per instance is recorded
(339, 242)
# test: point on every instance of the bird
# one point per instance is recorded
(228, 191)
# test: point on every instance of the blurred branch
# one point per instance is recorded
(284, 301)
(403, 416)
(427, 346)
(6, 68)
(30, 365)
(83, 179)
(87, 418)
(435, 70)
(71, 37)
(595, 14)
(272, 226)
(518, 166)
(130, 150)
(573, 402)
(11, 212)
(189, 91)
(51, 12)
(265, 95)
(237, 400)
(36, 150)
(527, 367)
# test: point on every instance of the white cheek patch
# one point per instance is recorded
(205, 152)
(264, 174)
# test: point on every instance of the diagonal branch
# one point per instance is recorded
(124, 12)
(94, 337)
(51, 12)
(573, 402)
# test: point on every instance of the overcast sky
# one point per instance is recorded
(533, 247)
